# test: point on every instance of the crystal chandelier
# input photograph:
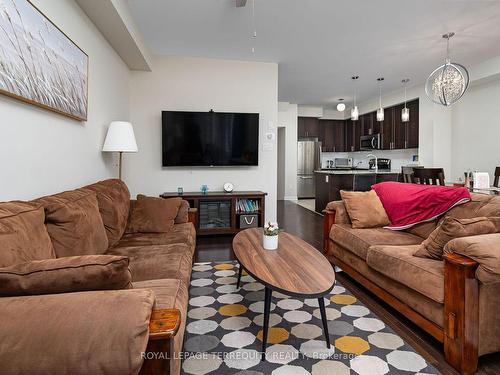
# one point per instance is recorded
(380, 110)
(354, 110)
(448, 83)
(405, 112)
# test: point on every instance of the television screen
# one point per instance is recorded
(210, 139)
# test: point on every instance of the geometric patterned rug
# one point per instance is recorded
(224, 332)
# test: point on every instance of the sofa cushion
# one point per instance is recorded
(153, 215)
(359, 240)
(65, 275)
(183, 213)
(423, 230)
(449, 229)
(180, 234)
(74, 223)
(365, 209)
(23, 235)
(425, 276)
(114, 201)
(158, 261)
(102, 332)
(479, 205)
(170, 294)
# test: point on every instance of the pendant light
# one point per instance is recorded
(341, 106)
(380, 110)
(448, 83)
(354, 109)
(405, 112)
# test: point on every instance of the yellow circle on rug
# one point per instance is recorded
(351, 344)
(232, 310)
(274, 335)
(343, 299)
(223, 266)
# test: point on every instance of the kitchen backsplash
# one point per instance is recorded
(398, 157)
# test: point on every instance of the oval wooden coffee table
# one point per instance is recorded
(295, 268)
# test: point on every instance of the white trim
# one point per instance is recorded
(290, 198)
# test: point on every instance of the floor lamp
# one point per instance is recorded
(120, 138)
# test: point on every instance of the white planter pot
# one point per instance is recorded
(270, 242)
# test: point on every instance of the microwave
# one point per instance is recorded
(370, 142)
(343, 163)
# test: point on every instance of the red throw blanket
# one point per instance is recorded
(410, 204)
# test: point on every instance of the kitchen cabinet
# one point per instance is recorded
(332, 135)
(308, 127)
(386, 132)
(349, 136)
(358, 125)
(412, 127)
(397, 134)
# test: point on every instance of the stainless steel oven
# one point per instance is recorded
(370, 142)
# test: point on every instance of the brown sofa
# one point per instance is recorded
(98, 332)
(455, 299)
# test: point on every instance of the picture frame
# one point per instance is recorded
(39, 63)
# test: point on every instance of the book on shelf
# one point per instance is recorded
(247, 205)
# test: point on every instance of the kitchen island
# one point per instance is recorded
(329, 182)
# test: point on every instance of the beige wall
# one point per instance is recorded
(196, 84)
(43, 152)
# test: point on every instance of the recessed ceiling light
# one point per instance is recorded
(341, 106)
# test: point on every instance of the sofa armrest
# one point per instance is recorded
(334, 213)
(461, 312)
(193, 216)
(483, 249)
(75, 333)
(163, 326)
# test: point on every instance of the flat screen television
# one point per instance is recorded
(209, 139)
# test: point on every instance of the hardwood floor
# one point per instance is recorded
(309, 226)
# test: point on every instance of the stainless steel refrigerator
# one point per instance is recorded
(309, 160)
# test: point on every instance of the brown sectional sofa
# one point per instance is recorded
(93, 331)
(455, 299)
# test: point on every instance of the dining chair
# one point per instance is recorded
(496, 182)
(407, 173)
(428, 176)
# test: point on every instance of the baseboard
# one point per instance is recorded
(290, 198)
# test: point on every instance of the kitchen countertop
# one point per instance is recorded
(354, 171)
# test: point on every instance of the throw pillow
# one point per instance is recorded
(153, 215)
(65, 275)
(451, 228)
(23, 235)
(74, 223)
(364, 209)
(183, 214)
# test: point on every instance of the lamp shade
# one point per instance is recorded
(120, 138)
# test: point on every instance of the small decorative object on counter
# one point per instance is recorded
(270, 238)
(204, 189)
(180, 190)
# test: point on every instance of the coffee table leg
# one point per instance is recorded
(267, 308)
(321, 302)
(239, 277)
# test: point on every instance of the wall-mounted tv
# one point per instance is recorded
(209, 139)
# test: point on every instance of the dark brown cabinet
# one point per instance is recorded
(412, 125)
(358, 128)
(308, 127)
(397, 134)
(332, 135)
(349, 136)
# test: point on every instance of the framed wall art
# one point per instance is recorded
(39, 64)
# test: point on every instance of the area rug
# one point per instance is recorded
(224, 332)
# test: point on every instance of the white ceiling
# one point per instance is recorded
(320, 44)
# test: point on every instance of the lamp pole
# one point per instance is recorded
(120, 165)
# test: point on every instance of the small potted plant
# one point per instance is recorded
(270, 238)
